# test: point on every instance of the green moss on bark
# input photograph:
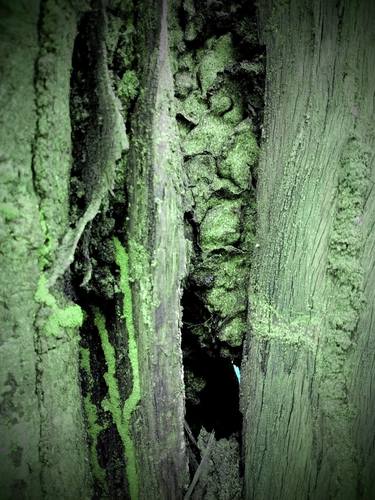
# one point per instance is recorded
(121, 411)
(135, 396)
(59, 318)
(220, 153)
(345, 276)
(214, 60)
(94, 428)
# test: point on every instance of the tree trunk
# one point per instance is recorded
(307, 386)
(43, 443)
(101, 413)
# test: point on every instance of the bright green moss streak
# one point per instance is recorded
(94, 428)
(121, 414)
(135, 396)
(70, 316)
(85, 362)
(113, 401)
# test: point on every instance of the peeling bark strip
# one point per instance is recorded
(307, 375)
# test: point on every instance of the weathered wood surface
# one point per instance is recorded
(157, 264)
(308, 371)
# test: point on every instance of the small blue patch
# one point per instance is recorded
(237, 372)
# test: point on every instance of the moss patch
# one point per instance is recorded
(221, 225)
(59, 318)
(214, 60)
(219, 140)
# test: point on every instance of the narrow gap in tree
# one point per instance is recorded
(219, 89)
(212, 389)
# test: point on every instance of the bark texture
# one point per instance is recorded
(157, 258)
(111, 134)
(307, 382)
(44, 451)
(100, 413)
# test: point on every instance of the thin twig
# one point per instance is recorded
(201, 466)
(190, 434)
